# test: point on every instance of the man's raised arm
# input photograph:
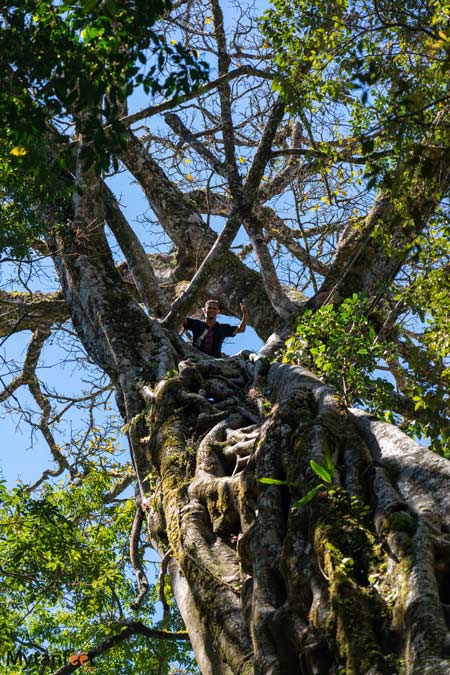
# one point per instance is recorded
(243, 325)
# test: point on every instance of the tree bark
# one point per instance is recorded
(277, 567)
(265, 585)
(353, 579)
(276, 588)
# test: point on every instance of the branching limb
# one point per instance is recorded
(263, 151)
(138, 263)
(186, 301)
(44, 427)
(210, 202)
(177, 125)
(245, 70)
(119, 487)
(28, 377)
(126, 630)
(224, 90)
(223, 242)
(280, 301)
(277, 229)
(365, 262)
(29, 367)
(180, 220)
(22, 311)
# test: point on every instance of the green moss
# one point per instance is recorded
(402, 521)
(347, 551)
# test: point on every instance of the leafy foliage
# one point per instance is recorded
(66, 576)
(341, 345)
(85, 59)
(394, 59)
(70, 67)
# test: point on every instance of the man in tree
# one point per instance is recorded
(208, 336)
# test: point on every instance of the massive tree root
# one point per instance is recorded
(355, 581)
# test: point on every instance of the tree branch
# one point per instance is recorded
(119, 487)
(182, 223)
(186, 301)
(29, 366)
(195, 240)
(44, 427)
(200, 91)
(175, 123)
(369, 263)
(278, 298)
(277, 229)
(263, 151)
(141, 577)
(138, 263)
(224, 90)
(22, 311)
(126, 630)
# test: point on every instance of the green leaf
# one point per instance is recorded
(321, 471)
(271, 481)
(331, 547)
(308, 497)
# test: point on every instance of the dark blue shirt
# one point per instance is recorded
(220, 331)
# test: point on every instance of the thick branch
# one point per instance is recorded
(22, 311)
(186, 301)
(368, 262)
(182, 223)
(244, 70)
(280, 301)
(263, 151)
(138, 263)
(208, 201)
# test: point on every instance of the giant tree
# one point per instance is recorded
(303, 532)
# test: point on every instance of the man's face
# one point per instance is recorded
(211, 310)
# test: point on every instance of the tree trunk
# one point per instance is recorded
(265, 586)
(357, 580)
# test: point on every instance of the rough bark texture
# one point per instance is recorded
(265, 585)
(319, 588)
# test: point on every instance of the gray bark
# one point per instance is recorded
(265, 585)
(320, 588)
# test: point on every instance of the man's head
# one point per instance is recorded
(211, 309)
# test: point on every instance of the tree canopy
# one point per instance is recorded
(297, 160)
